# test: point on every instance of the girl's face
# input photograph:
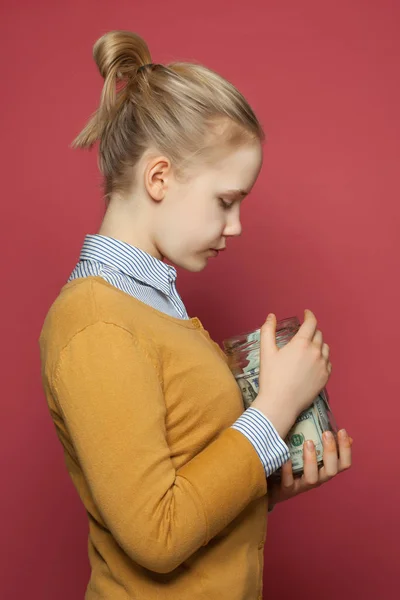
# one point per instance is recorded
(197, 217)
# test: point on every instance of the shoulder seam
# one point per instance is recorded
(57, 366)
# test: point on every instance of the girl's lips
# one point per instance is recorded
(216, 251)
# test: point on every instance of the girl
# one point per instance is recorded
(171, 471)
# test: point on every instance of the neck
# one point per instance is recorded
(128, 225)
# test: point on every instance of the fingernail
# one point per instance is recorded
(343, 434)
(328, 436)
(310, 446)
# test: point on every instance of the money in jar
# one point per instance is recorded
(243, 353)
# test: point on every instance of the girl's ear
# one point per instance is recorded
(156, 177)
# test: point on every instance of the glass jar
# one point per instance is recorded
(243, 353)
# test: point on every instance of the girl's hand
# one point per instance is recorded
(291, 377)
(290, 486)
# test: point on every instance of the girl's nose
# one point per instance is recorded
(233, 227)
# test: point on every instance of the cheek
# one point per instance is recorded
(207, 224)
(195, 225)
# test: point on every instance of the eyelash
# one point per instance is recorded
(225, 205)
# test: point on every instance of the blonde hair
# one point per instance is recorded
(174, 108)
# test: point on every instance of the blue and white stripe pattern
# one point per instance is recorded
(268, 444)
(153, 282)
(132, 271)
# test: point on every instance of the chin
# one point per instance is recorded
(197, 268)
(193, 264)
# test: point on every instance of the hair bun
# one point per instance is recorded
(120, 53)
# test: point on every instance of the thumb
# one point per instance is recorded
(268, 336)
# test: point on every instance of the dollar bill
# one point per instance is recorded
(306, 427)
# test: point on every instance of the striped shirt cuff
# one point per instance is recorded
(268, 444)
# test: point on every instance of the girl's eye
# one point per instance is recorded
(225, 205)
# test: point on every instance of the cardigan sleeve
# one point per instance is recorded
(111, 400)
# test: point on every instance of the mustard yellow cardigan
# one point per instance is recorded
(142, 403)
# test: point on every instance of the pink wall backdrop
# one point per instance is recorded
(321, 231)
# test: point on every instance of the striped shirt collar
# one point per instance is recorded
(129, 260)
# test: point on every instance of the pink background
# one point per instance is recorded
(321, 231)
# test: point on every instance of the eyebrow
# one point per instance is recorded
(236, 193)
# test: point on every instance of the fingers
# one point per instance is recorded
(318, 340)
(310, 464)
(309, 326)
(345, 443)
(268, 337)
(335, 462)
(331, 463)
(287, 479)
(326, 353)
